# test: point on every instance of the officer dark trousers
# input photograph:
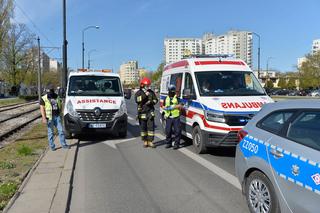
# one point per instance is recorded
(147, 127)
(175, 123)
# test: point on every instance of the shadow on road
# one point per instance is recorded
(223, 151)
(216, 151)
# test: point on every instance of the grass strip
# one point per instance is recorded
(17, 158)
(5, 102)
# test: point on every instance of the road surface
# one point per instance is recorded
(119, 175)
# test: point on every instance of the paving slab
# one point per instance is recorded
(46, 189)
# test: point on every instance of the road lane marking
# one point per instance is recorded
(209, 165)
(113, 143)
(133, 121)
(212, 167)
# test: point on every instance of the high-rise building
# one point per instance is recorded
(315, 46)
(129, 72)
(176, 48)
(237, 43)
(301, 61)
(55, 65)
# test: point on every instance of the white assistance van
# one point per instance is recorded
(95, 103)
(220, 95)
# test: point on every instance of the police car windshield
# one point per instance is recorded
(228, 83)
(94, 86)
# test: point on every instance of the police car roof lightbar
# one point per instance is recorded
(210, 56)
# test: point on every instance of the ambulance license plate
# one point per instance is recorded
(98, 125)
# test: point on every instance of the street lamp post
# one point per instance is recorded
(64, 76)
(269, 58)
(83, 31)
(39, 69)
(89, 54)
(258, 53)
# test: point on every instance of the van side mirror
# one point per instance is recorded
(127, 93)
(188, 95)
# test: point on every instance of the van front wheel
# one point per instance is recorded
(198, 140)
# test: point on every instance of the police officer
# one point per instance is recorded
(146, 99)
(50, 108)
(172, 115)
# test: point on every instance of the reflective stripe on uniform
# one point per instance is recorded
(144, 134)
(139, 98)
(171, 103)
(143, 116)
(150, 133)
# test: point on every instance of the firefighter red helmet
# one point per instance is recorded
(145, 81)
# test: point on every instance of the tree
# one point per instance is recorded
(292, 83)
(269, 84)
(156, 77)
(51, 78)
(310, 71)
(6, 12)
(18, 56)
(282, 83)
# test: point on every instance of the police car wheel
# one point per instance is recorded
(260, 194)
(198, 142)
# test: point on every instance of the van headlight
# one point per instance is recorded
(122, 110)
(215, 116)
(71, 110)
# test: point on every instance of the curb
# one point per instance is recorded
(26, 178)
(71, 178)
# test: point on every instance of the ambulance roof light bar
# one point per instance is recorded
(209, 56)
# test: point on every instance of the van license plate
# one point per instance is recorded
(98, 126)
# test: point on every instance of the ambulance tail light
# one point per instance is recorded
(241, 135)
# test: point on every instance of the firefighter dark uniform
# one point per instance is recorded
(146, 99)
(172, 116)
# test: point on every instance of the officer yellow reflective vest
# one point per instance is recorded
(171, 103)
(48, 107)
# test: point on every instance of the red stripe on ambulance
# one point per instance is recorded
(177, 64)
(206, 124)
(219, 63)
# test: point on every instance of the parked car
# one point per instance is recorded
(281, 92)
(278, 158)
(315, 93)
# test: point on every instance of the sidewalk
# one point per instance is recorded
(46, 189)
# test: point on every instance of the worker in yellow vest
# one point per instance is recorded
(171, 108)
(50, 107)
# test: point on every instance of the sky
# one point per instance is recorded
(135, 29)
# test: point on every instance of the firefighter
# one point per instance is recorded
(171, 108)
(146, 99)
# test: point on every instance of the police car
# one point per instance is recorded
(278, 158)
(95, 104)
(220, 94)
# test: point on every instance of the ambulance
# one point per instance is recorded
(220, 94)
(95, 103)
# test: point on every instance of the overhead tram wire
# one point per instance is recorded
(37, 28)
(32, 22)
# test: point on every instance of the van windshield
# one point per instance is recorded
(228, 83)
(94, 86)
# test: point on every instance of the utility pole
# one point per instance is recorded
(39, 70)
(258, 53)
(64, 76)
